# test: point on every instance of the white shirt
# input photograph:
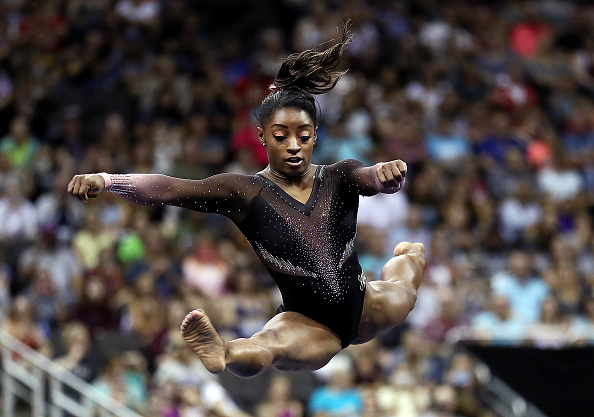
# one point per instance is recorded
(17, 221)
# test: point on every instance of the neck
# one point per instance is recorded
(280, 178)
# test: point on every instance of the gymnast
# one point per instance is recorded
(300, 218)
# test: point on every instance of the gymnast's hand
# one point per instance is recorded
(391, 174)
(86, 186)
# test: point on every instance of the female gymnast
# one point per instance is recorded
(300, 218)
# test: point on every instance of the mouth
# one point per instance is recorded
(294, 161)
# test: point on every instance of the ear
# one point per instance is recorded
(315, 135)
(261, 136)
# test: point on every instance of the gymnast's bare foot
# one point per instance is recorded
(394, 269)
(202, 338)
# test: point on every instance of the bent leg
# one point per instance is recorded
(288, 342)
(388, 302)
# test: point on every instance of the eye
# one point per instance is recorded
(279, 138)
(304, 138)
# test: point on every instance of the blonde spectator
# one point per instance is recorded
(91, 240)
(404, 395)
(279, 402)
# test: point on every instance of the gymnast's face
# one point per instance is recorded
(289, 137)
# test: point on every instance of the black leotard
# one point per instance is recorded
(307, 248)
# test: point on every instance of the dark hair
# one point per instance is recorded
(302, 75)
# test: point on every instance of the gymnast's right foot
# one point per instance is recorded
(202, 338)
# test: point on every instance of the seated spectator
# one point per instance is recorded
(252, 305)
(527, 35)
(91, 240)
(551, 330)
(57, 259)
(525, 290)
(449, 316)
(94, 308)
(18, 221)
(339, 397)
(206, 270)
(79, 356)
(123, 380)
(517, 213)
(568, 291)
(446, 147)
(581, 328)
(499, 325)
(20, 324)
(19, 146)
(559, 172)
(403, 395)
(279, 402)
(499, 140)
(50, 310)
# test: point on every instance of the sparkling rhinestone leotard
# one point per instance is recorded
(307, 248)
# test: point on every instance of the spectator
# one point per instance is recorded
(279, 401)
(499, 325)
(525, 291)
(339, 397)
(20, 324)
(19, 146)
(527, 35)
(446, 147)
(79, 356)
(57, 260)
(517, 213)
(560, 172)
(551, 329)
(122, 379)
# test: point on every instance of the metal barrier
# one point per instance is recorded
(42, 383)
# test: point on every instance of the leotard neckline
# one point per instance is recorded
(305, 208)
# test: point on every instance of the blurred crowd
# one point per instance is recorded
(491, 104)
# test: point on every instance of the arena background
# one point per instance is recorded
(491, 104)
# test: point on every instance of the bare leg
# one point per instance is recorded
(288, 342)
(388, 302)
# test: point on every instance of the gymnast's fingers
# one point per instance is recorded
(393, 174)
(381, 176)
(402, 167)
(389, 175)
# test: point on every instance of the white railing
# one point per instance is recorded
(45, 383)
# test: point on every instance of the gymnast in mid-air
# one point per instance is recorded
(301, 220)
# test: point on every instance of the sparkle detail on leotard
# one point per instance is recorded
(313, 233)
(283, 264)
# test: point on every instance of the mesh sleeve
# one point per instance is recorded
(226, 194)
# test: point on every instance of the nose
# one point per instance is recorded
(294, 146)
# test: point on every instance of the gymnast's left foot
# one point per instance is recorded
(203, 339)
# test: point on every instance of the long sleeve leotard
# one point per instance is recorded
(308, 248)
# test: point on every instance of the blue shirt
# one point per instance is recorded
(343, 403)
(447, 147)
(525, 296)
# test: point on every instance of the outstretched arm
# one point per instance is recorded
(216, 194)
(383, 177)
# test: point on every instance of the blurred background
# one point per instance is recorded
(491, 104)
